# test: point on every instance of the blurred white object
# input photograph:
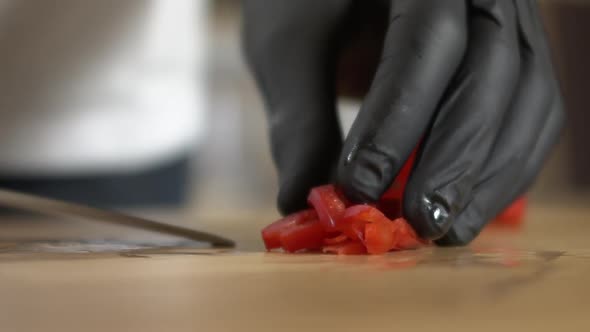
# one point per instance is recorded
(100, 86)
(348, 109)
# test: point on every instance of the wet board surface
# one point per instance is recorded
(532, 279)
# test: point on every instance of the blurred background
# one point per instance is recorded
(162, 86)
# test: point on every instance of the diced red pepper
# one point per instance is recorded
(406, 236)
(271, 234)
(336, 227)
(379, 237)
(356, 217)
(342, 197)
(335, 240)
(328, 206)
(308, 234)
(346, 248)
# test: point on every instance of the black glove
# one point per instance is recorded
(471, 80)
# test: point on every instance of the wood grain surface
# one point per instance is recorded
(529, 279)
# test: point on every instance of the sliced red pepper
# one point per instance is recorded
(328, 206)
(379, 237)
(308, 234)
(342, 197)
(271, 234)
(339, 229)
(356, 217)
(346, 248)
(406, 236)
(336, 239)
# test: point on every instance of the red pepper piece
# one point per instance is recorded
(308, 234)
(271, 234)
(380, 237)
(406, 236)
(356, 217)
(346, 248)
(342, 197)
(328, 206)
(335, 240)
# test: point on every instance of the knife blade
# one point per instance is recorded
(29, 202)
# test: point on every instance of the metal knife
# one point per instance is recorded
(19, 200)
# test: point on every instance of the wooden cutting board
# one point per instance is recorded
(534, 279)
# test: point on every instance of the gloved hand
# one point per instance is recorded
(472, 81)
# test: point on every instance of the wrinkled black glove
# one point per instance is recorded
(471, 80)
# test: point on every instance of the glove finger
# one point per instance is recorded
(290, 50)
(530, 131)
(534, 31)
(467, 122)
(536, 54)
(423, 47)
(542, 150)
(498, 191)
